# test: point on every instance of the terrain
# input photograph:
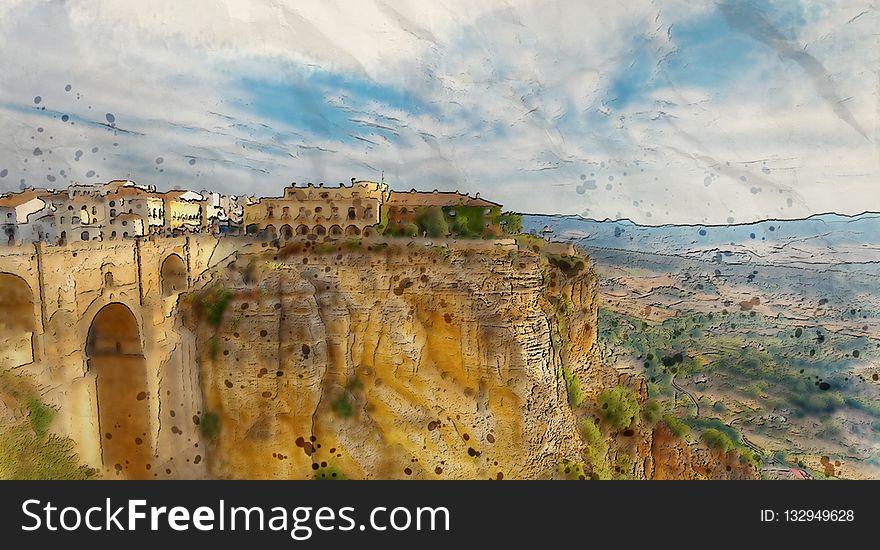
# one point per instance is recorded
(336, 359)
(765, 332)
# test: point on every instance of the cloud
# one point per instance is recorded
(657, 111)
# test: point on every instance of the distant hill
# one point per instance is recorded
(820, 239)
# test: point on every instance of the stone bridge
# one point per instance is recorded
(95, 325)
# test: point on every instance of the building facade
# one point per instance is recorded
(22, 218)
(317, 210)
(183, 211)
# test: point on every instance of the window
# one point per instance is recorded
(285, 212)
(84, 235)
(61, 220)
(352, 213)
(112, 212)
(94, 210)
(270, 212)
(112, 203)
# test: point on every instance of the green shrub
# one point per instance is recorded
(211, 302)
(716, 439)
(342, 406)
(618, 407)
(210, 425)
(596, 449)
(677, 427)
(652, 411)
(511, 223)
(432, 222)
(572, 470)
(748, 456)
(40, 416)
(573, 388)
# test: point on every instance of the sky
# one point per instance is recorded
(664, 111)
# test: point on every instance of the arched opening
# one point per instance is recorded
(286, 232)
(116, 357)
(17, 321)
(368, 231)
(270, 232)
(108, 280)
(302, 230)
(335, 230)
(319, 230)
(352, 230)
(352, 213)
(173, 275)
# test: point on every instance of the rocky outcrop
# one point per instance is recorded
(382, 362)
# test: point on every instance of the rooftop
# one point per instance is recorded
(438, 198)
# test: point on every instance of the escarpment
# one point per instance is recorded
(407, 361)
(388, 362)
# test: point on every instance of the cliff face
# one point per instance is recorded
(395, 362)
(351, 360)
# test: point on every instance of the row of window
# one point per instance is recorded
(319, 211)
(287, 231)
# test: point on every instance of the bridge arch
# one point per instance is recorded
(16, 303)
(116, 357)
(172, 275)
(17, 320)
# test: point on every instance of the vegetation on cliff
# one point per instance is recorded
(28, 450)
(618, 406)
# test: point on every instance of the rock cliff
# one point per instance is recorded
(357, 360)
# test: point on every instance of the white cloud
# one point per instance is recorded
(518, 91)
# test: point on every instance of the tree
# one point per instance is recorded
(716, 439)
(432, 222)
(618, 407)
